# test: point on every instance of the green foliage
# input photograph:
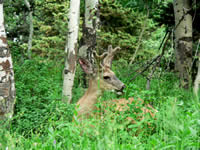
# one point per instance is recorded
(122, 27)
(140, 4)
(50, 28)
(43, 121)
(15, 20)
(39, 86)
(160, 11)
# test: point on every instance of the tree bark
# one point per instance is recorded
(90, 26)
(30, 39)
(7, 86)
(183, 40)
(71, 50)
(197, 79)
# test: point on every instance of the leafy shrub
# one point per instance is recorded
(39, 86)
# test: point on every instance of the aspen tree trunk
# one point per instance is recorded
(30, 39)
(90, 26)
(183, 40)
(197, 79)
(71, 50)
(7, 86)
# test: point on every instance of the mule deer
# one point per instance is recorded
(100, 80)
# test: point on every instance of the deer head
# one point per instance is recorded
(104, 75)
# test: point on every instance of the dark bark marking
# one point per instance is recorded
(1, 1)
(185, 30)
(2, 52)
(187, 39)
(4, 89)
(90, 37)
(5, 65)
(66, 71)
(183, 52)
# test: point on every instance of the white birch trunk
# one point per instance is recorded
(197, 79)
(91, 23)
(183, 40)
(91, 8)
(71, 50)
(30, 39)
(7, 86)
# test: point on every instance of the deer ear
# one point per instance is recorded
(86, 66)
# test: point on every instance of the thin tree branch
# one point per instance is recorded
(157, 59)
(30, 39)
(140, 38)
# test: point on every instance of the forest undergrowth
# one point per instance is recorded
(43, 121)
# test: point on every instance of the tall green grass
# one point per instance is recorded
(42, 121)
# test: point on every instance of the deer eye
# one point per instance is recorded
(106, 77)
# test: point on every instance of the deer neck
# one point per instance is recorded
(87, 103)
